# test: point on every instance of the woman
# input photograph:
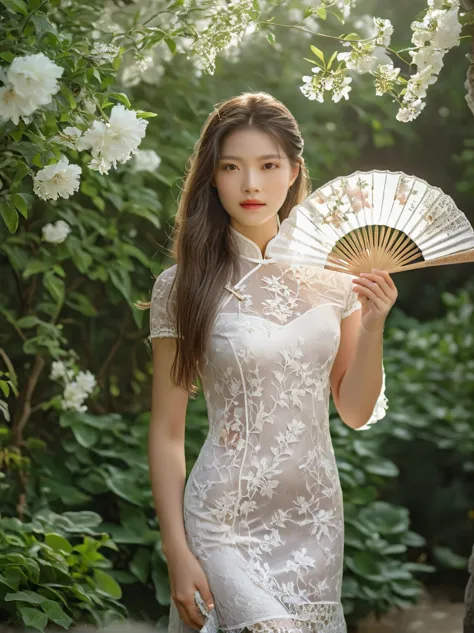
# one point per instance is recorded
(261, 531)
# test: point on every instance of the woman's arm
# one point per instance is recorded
(166, 448)
(356, 377)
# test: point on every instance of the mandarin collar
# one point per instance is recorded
(248, 249)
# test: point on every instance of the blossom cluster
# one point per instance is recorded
(227, 26)
(434, 36)
(362, 58)
(78, 385)
(438, 32)
(30, 82)
(336, 83)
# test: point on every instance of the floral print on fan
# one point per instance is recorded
(343, 199)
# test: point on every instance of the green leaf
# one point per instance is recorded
(55, 287)
(271, 38)
(34, 618)
(162, 588)
(19, 200)
(7, 56)
(43, 26)
(10, 216)
(140, 564)
(17, 6)
(322, 13)
(25, 596)
(121, 280)
(124, 486)
(351, 36)
(122, 97)
(333, 57)
(55, 613)
(382, 467)
(450, 559)
(58, 543)
(142, 114)
(319, 53)
(85, 435)
(171, 44)
(107, 585)
(69, 96)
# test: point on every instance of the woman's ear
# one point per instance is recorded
(294, 174)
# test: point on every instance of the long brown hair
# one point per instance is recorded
(203, 245)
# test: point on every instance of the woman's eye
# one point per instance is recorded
(225, 167)
(274, 165)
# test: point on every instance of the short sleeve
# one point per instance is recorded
(163, 306)
(352, 302)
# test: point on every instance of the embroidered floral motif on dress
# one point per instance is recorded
(263, 505)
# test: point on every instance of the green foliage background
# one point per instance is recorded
(66, 479)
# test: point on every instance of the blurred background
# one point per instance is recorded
(69, 476)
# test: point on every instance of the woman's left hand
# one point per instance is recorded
(377, 294)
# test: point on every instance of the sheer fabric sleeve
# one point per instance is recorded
(163, 306)
(380, 409)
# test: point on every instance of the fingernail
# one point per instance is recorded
(211, 606)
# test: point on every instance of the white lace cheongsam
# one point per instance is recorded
(263, 505)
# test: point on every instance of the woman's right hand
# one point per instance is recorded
(186, 575)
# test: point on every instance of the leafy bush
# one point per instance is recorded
(430, 429)
(45, 577)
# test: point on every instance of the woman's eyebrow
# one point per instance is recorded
(265, 156)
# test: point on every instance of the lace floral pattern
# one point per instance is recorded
(263, 507)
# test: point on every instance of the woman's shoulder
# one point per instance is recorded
(167, 275)
(163, 281)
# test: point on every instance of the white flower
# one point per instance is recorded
(384, 31)
(35, 76)
(86, 381)
(13, 106)
(385, 78)
(428, 56)
(449, 28)
(342, 89)
(58, 180)
(68, 137)
(410, 110)
(56, 233)
(146, 160)
(360, 58)
(313, 88)
(73, 397)
(421, 34)
(114, 141)
(105, 52)
(441, 27)
(336, 83)
(58, 370)
(418, 83)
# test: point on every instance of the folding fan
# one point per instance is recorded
(376, 219)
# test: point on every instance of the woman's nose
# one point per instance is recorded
(251, 182)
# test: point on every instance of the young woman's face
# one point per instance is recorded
(253, 166)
